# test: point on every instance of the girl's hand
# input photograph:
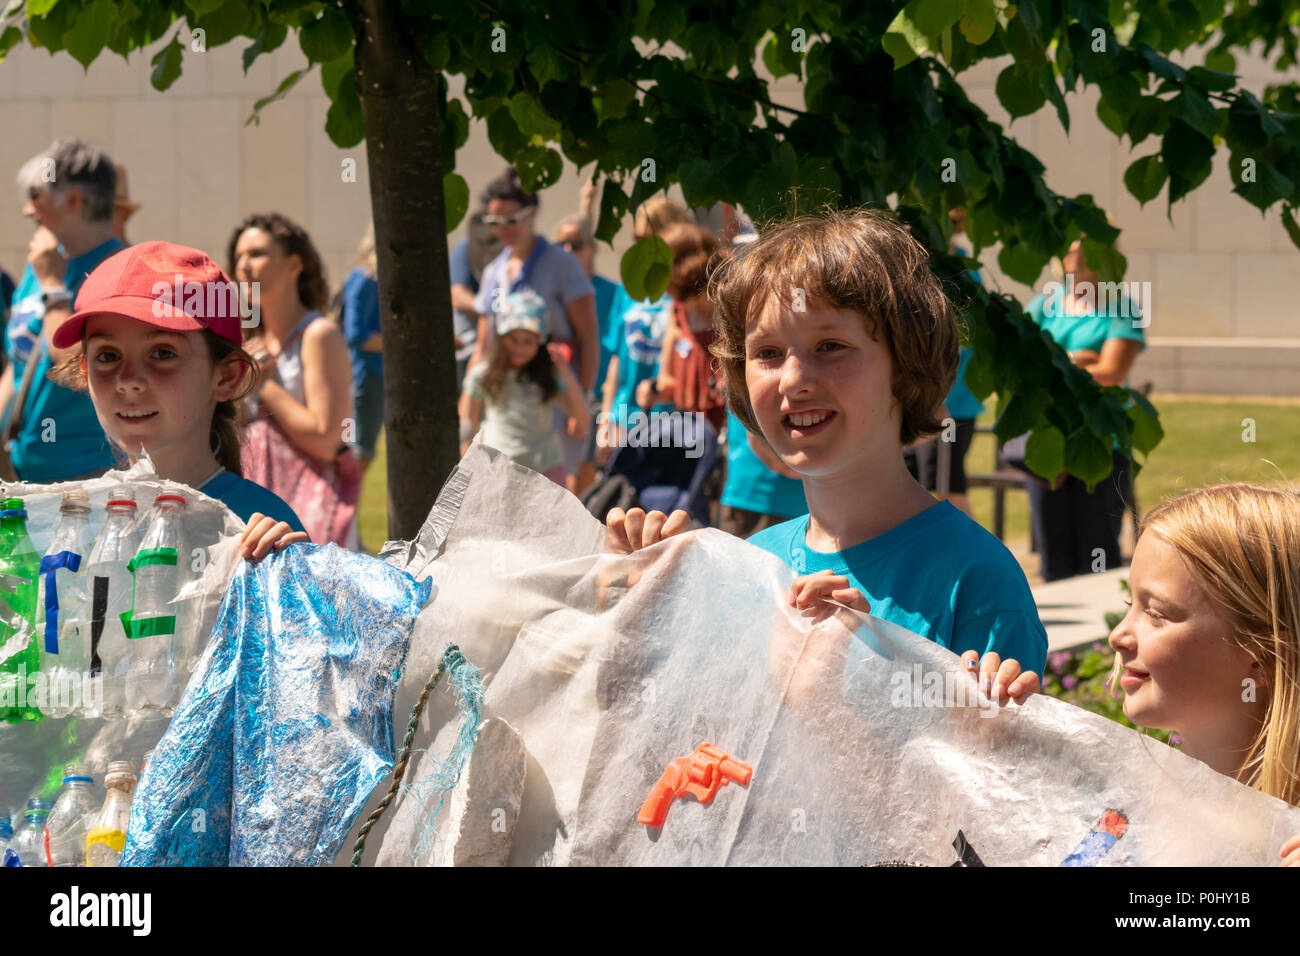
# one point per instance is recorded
(1001, 680)
(578, 427)
(646, 392)
(557, 354)
(809, 592)
(1291, 851)
(630, 531)
(264, 534)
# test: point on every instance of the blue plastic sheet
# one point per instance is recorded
(287, 723)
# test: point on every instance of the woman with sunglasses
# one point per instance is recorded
(528, 261)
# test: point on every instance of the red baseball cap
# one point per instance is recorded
(160, 284)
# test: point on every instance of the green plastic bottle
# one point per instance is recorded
(20, 564)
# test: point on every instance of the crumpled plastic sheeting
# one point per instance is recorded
(33, 753)
(853, 761)
(287, 724)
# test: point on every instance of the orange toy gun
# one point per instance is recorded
(702, 774)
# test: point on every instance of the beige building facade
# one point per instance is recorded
(1222, 318)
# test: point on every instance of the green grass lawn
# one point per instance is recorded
(1203, 443)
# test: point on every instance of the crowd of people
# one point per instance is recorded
(808, 362)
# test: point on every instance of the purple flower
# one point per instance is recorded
(1098, 646)
(1069, 681)
(1175, 740)
(1058, 660)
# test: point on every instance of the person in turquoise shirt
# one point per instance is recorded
(837, 383)
(58, 437)
(756, 494)
(247, 498)
(1078, 531)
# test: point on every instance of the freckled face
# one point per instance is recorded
(821, 387)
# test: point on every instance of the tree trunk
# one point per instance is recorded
(401, 105)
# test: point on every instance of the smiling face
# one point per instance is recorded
(1182, 670)
(510, 221)
(521, 345)
(154, 389)
(820, 387)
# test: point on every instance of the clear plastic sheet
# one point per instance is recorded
(33, 753)
(287, 724)
(868, 743)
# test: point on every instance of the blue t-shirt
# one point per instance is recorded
(553, 273)
(638, 338)
(938, 574)
(360, 321)
(60, 436)
(604, 321)
(245, 497)
(754, 486)
(465, 323)
(962, 403)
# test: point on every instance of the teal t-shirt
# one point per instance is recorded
(60, 436)
(753, 486)
(1076, 332)
(245, 498)
(939, 575)
(638, 339)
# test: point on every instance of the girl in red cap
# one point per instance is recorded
(156, 341)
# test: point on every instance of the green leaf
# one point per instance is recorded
(202, 8)
(327, 37)
(1145, 178)
(1045, 452)
(538, 167)
(1087, 457)
(531, 119)
(613, 209)
(1019, 414)
(1221, 60)
(696, 176)
(344, 123)
(455, 198)
(333, 71)
(271, 36)
(611, 100)
(437, 52)
(167, 65)
(89, 31)
(1195, 110)
(1151, 116)
(544, 63)
(1104, 258)
(1022, 263)
(39, 8)
(779, 56)
(1147, 431)
(1186, 151)
(1292, 227)
(1122, 93)
(979, 22)
(455, 123)
(504, 135)
(1268, 186)
(285, 86)
(1020, 92)
(932, 17)
(646, 268)
(903, 41)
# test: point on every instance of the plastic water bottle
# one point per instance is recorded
(27, 848)
(64, 635)
(108, 591)
(151, 625)
(68, 822)
(107, 837)
(19, 564)
(6, 834)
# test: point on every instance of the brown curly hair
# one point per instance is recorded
(313, 290)
(863, 260)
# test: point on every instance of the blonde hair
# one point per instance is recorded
(863, 260)
(1242, 542)
(658, 211)
(366, 257)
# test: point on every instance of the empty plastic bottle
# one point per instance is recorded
(61, 608)
(19, 565)
(108, 593)
(68, 822)
(151, 624)
(27, 848)
(105, 840)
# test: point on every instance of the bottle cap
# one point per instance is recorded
(12, 508)
(75, 501)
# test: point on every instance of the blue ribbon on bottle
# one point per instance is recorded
(49, 565)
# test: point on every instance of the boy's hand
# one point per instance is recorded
(630, 531)
(264, 534)
(1291, 851)
(809, 592)
(1001, 680)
